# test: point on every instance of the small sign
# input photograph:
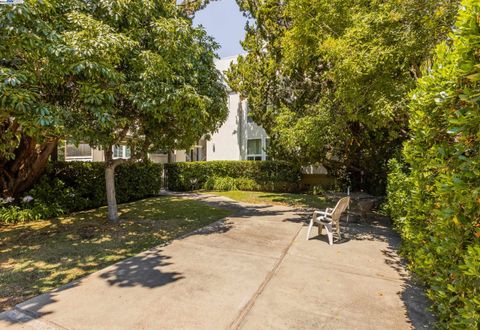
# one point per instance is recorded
(11, 2)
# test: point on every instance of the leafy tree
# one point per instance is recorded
(124, 72)
(435, 197)
(329, 79)
(33, 92)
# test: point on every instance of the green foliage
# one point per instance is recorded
(434, 198)
(398, 195)
(73, 186)
(15, 213)
(229, 183)
(329, 80)
(271, 175)
(105, 73)
(221, 183)
(248, 184)
(105, 65)
(133, 181)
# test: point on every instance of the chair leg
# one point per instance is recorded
(309, 228)
(328, 227)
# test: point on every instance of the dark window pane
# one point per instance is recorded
(254, 147)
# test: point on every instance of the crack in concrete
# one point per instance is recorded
(237, 322)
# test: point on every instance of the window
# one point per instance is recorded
(195, 155)
(254, 149)
(82, 151)
(117, 151)
(120, 151)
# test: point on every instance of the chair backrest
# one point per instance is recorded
(340, 208)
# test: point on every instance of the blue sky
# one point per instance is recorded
(223, 20)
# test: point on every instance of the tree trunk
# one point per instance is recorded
(20, 173)
(111, 198)
(110, 165)
(54, 156)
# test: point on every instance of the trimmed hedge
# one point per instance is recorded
(133, 181)
(265, 175)
(434, 192)
(75, 186)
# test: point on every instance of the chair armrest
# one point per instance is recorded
(322, 216)
(327, 212)
(320, 213)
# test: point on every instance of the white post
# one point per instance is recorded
(348, 207)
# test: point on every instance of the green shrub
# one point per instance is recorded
(434, 198)
(194, 175)
(16, 213)
(133, 181)
(221, 183)
(53, 190)
(228, 183)
(75, 186)
(247, 184)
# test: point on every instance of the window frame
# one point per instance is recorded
(123, 152)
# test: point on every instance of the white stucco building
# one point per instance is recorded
(239, 138)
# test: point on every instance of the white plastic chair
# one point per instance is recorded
(329, 218)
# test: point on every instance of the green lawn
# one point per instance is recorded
(39, 256)
(256, 197)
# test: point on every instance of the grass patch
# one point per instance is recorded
(258, 197)
(36, 257)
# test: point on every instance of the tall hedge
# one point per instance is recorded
(434, 197)
(81, 185)
(193, 175)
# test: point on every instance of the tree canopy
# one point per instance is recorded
(103, 72)
(329, 79)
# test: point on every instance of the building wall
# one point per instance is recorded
(180, 156)
(158, 158)
(98, 155)
(231, 140)
(226, 143)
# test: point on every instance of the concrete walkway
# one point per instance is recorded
(253, 270)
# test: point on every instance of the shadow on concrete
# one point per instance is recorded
(413, 296)
(33, 308)
(417, 305)
(142, 270)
